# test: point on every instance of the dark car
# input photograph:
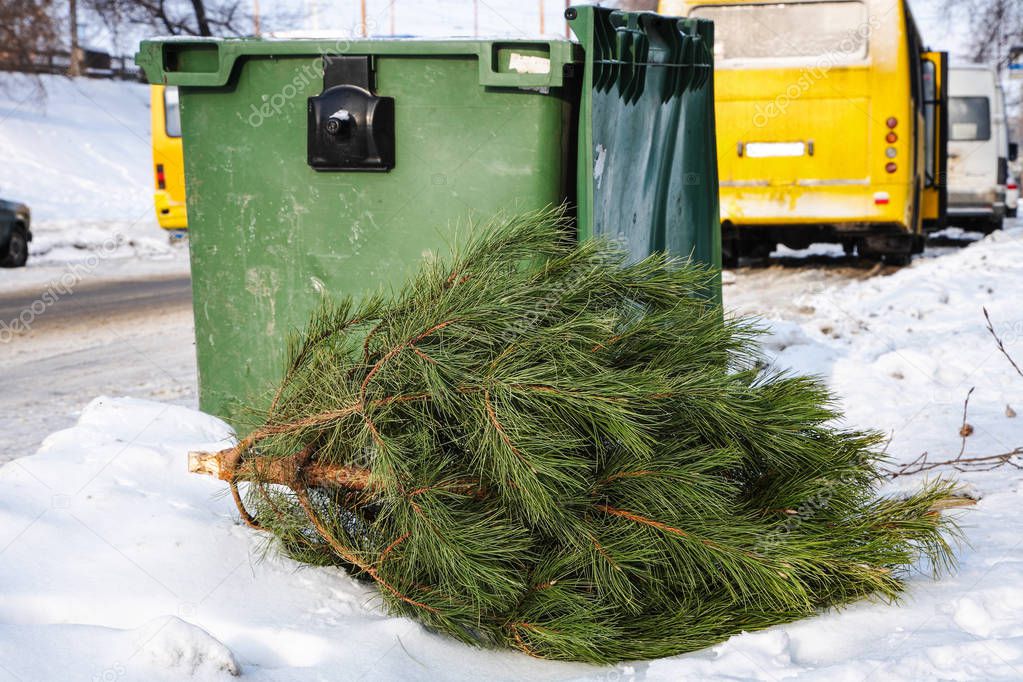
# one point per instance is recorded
(15, 233)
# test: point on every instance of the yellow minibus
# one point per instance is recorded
(168, 159)
(831, 125)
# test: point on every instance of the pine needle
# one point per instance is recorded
(575, 456)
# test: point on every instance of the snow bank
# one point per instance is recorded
(118, 564)
(79, 149)
(902, 351)
(103, 531)
(78, 153)
(168, 648)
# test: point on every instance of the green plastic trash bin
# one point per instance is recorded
(318, 166)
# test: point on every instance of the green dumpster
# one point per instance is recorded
(317, 166)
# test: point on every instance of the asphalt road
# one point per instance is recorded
(89, 302)
(117, 338)
(136, 338)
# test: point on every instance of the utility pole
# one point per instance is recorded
(543, 28)
(255, 18)
(362, 6)
(75, 66)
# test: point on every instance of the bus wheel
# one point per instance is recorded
(897, 259)
(994, 224)
(729, 253)
(759, 249)
(893, 249)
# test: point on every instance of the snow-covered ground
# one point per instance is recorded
(78, 153)
(117, 564)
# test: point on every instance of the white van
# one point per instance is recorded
(978, 144)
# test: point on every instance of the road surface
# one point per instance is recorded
(129, 337)
(134, 337)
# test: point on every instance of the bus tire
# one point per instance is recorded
(1010, 213)
(729, 254)
(897, 259)
(994, 224)
(892, 249)
(730, 243)
(759, 249)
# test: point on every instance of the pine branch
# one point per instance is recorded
(540, 445)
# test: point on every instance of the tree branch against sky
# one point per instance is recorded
(994, 27)
(175, 17)
(26, 28)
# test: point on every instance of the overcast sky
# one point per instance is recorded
(456, 17)
(518, 18)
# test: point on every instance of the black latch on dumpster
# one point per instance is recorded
(350, 128)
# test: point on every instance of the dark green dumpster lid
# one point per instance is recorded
(647, 154)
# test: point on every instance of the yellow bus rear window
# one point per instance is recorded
(798, 31)
(171, 112)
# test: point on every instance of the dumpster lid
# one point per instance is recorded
(209, 62)
(646, 149)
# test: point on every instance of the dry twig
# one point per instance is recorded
(960, 463)
(1001, 346)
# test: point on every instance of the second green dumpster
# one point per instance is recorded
(316, 166)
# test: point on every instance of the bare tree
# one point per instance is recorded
(175, 17)
(995, 26)
(27, 28)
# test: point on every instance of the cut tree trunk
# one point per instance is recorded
(282, 471)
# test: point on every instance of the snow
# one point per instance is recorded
(172, 648)
(78, 153)
(903, 350)
(117, 564)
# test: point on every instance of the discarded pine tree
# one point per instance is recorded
(539, 446)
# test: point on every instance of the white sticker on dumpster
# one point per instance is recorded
(525, 63)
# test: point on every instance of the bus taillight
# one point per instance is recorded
(161, 180)
(892, 122)
(891, 167)
(891, 137)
